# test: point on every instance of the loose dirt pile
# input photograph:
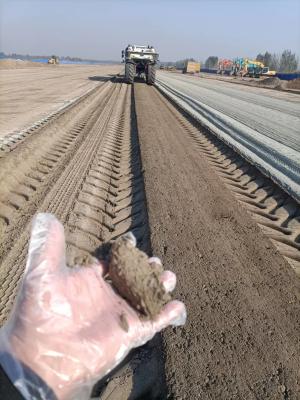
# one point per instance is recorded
(135, 279)
(14, 64)
(294, 84)
(271, 82)
(264, 82)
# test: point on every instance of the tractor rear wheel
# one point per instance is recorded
(129, 72)
(151, 74)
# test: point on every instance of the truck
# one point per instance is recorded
(191, 67)
(225, 66)
(54, 60)
(140, 61)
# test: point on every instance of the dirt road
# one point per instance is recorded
(123, 159)
(273, 114)
(242, 336)
(29, 94)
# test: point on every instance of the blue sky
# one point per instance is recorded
(99, 29)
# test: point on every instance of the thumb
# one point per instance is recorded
(46, 253)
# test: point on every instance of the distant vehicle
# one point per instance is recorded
(53, 60)
(267, 72)
(224, 66)
(246, 67)
(191, 67)
(141, 61)
(254, 68)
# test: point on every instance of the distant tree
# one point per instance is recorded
(264, 58)
(260, 57)
(211, 62)
(288, 61)
(267, 58)
(274, 62)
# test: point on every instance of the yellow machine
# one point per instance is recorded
(54, 60)
(191, 67)
(247, 67)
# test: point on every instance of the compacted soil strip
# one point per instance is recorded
(241, 340)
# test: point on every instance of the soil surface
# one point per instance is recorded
(31, 93)
(263, 82)
(273, 114)
(294, 84)
(11, 63)
(88, 167)
(241, 340)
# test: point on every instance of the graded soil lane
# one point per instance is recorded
(241, 340)
(275, 115)
(29, 94)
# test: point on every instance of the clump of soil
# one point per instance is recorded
(135, 279)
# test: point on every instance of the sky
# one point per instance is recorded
(100, 29)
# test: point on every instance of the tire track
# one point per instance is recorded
(40, 161)
(277, 213)
(96, 190)
(10, 141)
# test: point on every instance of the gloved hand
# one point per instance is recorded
(67, 325)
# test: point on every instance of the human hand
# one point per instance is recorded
(68, 325)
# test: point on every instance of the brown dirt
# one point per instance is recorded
(272, 82)
(31, 93)
(10, 63)
(294, 84)
(135, 279)
(263, 82)
(84, 167)
(241, 340)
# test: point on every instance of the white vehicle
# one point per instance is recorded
(267, 72)
(140, 60)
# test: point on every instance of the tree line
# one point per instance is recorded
(284, 62)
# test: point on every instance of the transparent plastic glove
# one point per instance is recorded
(68, 323)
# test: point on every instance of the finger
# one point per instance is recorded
(168, 279)
(155, 262)
(47, 244)
(173, 313)
(129, 236)
(100, 267)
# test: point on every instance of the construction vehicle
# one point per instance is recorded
(140, 61)
(267, 72)
(191, 67)
(246, 67)
(54, 60)
(254, 68)
(225, 66)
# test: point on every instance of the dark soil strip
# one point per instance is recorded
(277, 213)
(141, 376)
(241, 340)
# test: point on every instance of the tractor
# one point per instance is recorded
(140, 61)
